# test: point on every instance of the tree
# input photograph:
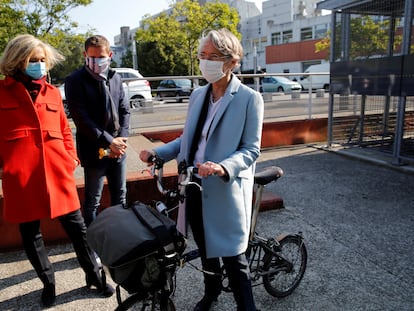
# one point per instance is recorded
(126, 59)
(48, 20)
(41, 17)
(72, 47)
(169, 42)
(11, 22)
(368, 38)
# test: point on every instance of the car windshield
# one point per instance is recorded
(183, 82)
(283, 80)
(129, 74)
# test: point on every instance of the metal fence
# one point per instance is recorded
(371, 76)
(371, 121)
(353, 120)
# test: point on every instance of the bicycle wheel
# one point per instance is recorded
(153, 303)
(286, 269)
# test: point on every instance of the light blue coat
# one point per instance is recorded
(234, 142)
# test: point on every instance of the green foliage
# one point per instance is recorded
(370, 38)
(72, 46)
(11, 22)
(167, 44)
(126, 60)
(367, 37)
(48, 20)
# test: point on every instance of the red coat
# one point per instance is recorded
(37, 153)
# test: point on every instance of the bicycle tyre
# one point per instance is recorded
(135, 302)
(282, 283)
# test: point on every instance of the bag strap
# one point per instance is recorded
(151, 220)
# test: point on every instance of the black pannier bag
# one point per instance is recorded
(131, 242)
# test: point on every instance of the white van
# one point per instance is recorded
(317, 81)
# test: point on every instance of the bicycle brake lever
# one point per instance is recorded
(196, 184)
(187, 181)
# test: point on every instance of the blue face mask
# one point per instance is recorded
(36, 70)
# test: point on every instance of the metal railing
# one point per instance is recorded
(303, 99)
(353, 120)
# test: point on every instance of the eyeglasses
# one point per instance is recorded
(213, 57)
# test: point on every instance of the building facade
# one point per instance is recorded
(283, 37)
(280, 39)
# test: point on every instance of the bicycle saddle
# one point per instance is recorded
(268, 175)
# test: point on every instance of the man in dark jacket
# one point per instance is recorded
(101, 114)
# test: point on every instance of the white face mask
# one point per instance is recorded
(211, 70)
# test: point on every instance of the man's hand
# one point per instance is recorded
(118, 147)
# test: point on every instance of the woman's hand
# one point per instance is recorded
(210, 168)
(146, 155)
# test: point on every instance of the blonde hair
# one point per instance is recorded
(17, 54)
(224, 41)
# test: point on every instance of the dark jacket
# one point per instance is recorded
(89, 106)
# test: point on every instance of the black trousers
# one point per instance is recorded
(237, 267)
(33, 244)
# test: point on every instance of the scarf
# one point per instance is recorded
(31, 85)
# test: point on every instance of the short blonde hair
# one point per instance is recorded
(17, 54)
(224, 41)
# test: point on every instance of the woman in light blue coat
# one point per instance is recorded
(221, 137)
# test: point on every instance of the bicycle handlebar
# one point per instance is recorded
(185, 177)
(269, 174)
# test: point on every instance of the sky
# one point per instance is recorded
(108, 16)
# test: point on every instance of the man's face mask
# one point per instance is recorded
(98, 65)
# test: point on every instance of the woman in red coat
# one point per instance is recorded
(38, 158)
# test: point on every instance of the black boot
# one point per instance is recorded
(48, 295)
(36, 253)
(205, 303)
(98, 280)
(212, 289)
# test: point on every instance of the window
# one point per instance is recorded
(320, 31)
(276, 38)
(306, 33)
(287, 36)
(122, 75)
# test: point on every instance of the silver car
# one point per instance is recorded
(275, 84)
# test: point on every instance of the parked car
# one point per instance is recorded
(137, 89)
(279, 84)
(65, 104)
(317, 81)
(177, 89)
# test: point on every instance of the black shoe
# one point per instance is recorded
(49, 295)
(99, 282)
(205, 303)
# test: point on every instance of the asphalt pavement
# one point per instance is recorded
(357, 217)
